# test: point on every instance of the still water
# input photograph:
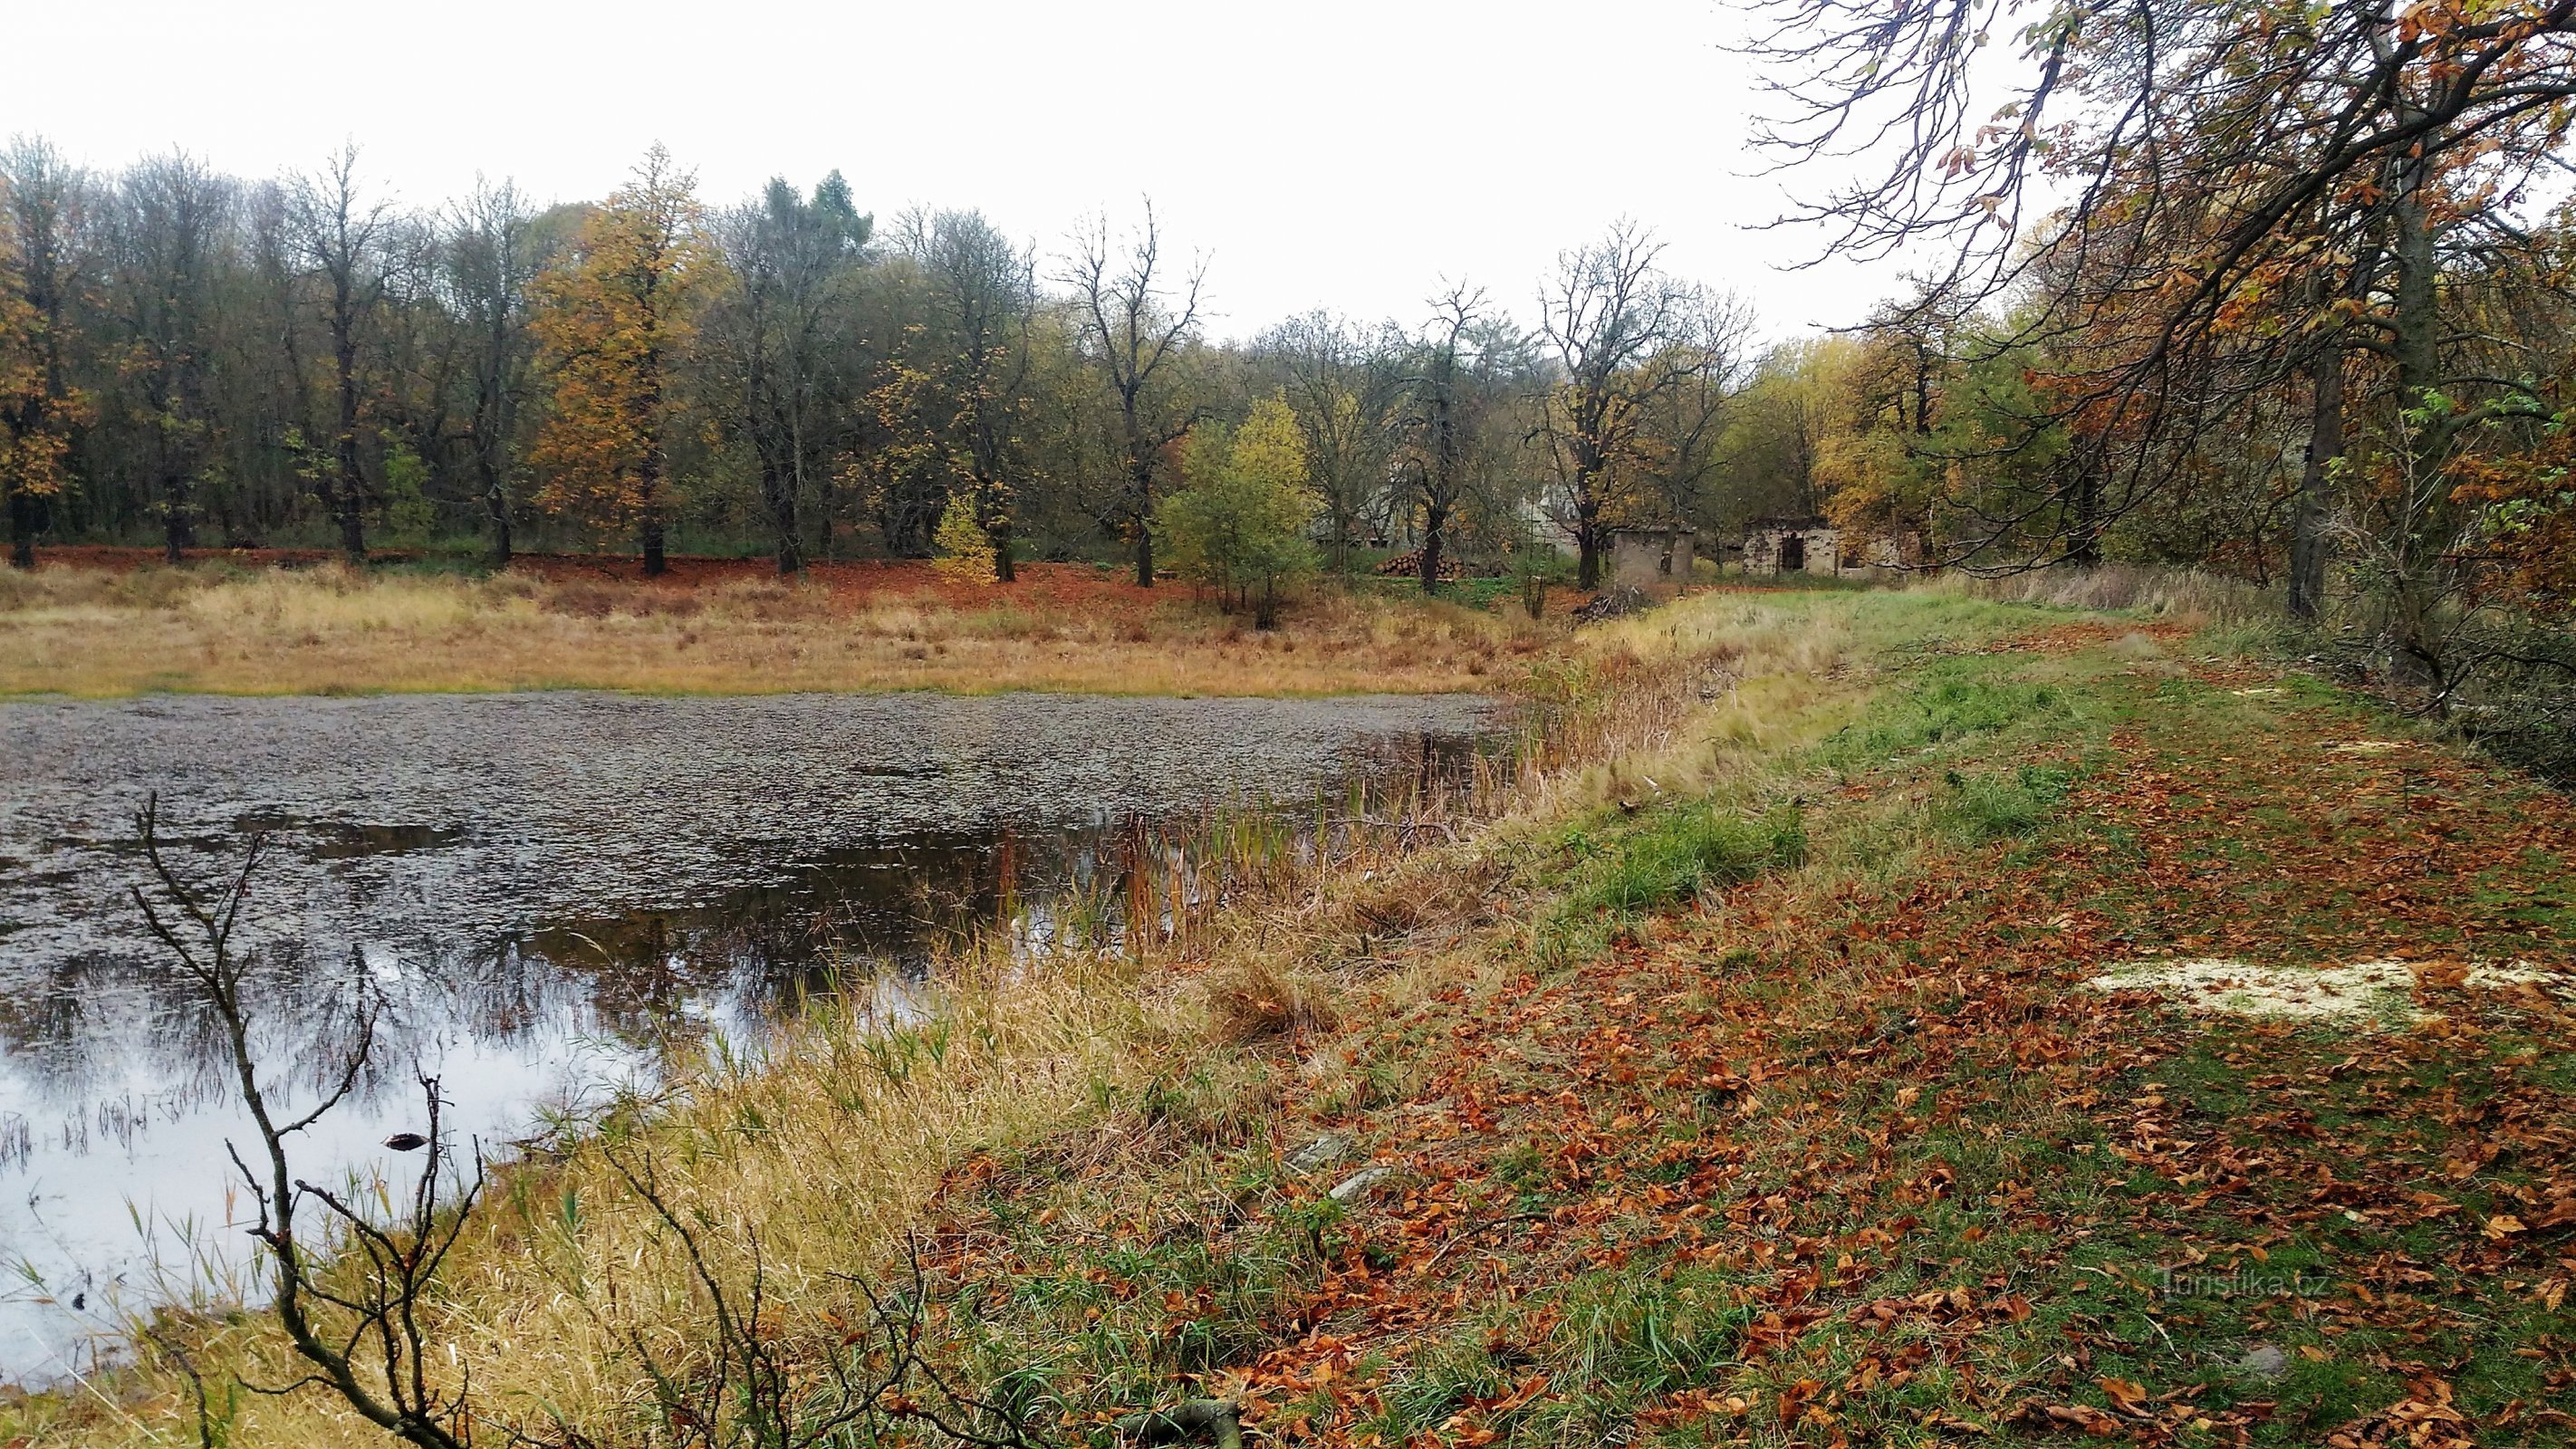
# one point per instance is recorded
(547, 892)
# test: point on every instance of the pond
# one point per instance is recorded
(547, 892)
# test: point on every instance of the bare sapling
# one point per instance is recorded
(747, 1382)
(349, 1288)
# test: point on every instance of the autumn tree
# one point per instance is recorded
(2200, 208)
(613, 324)
(1240, 523)
(1135, 320)
(41, 196)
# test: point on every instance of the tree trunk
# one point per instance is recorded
(22, 530)
(1587, 546)
(353, 527)
(1141, 480)
(2416, 341)
(496, 503)
(2308, 513)
(648, 483)
(999, 535)
(1435, 519)
(656, 563)
(781, 491)
(178, 531)
(344, 349)
(2084, 534)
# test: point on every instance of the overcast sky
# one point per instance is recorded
(1320, 152)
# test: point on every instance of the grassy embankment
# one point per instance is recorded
(1742, 1084)
(711, 627)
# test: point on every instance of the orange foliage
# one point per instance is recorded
(36, 411)
(611, 322)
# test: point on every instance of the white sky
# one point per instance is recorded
(1349, 152)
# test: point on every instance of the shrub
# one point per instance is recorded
(1240, 525)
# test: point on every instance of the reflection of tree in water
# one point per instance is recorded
(480, 868)
(644, 981)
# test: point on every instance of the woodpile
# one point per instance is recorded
(1409, 566)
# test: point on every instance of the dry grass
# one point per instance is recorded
(97, 633)
(2182, 595)
(813, 1162)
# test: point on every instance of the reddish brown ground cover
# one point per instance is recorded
(1863, 1160)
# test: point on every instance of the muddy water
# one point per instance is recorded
(547, 892)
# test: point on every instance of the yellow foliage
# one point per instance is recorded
(611, 321)
(36, 411)
(1270, 449)
(965, 551)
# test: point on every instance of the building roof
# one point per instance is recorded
(1808, 524)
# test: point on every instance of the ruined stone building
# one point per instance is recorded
(1792, 545)
(1651, 558)
(1814, 546)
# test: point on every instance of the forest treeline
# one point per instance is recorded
(191, 359)
(2281, 292)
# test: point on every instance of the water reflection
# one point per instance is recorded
(544, 894)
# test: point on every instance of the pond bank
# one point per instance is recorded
(1745, 1078)
(551, 894)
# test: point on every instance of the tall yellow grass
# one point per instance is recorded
(326, 630)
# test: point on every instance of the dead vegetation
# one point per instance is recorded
(213, 628)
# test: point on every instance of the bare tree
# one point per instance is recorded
(1613, 319)
(983, 291)
(1134, 322)
(350, 1289)
(1443, 421)
(1346, 386)
(340, 234)
(490, 258)
(172, 218)
(1685, 423)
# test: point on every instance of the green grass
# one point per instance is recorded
(1675, 851)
